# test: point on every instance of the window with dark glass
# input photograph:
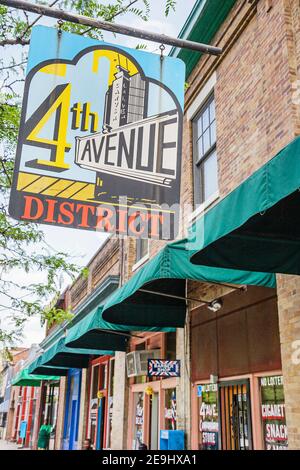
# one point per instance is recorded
(171, 346)
(142, 246)
(204, 152)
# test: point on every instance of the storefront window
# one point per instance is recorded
(95, 381)
(110, 401)
(94, 405)
(138, 421)
(103, 376)
(171, 346)
(208, 416)
(170, 409)
(273, 413)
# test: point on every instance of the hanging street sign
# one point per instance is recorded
(163, 368)
(99, 144)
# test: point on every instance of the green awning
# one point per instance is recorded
(36, 368)
(24, 378)
(166, 273)
(60, 355)
(257, 226)
(93, 332)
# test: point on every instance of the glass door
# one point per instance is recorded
(138, 437)
(154, 421)
(93, 407)
(98, 404)
(234, 404)
(110, 402)
(170, 409)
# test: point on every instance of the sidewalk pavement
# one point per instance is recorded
(4, 445)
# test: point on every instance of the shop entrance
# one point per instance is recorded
(154, 418)
(235, 417)
(98, 403)
(70, 435)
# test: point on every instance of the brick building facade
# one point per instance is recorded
(255, 85)
(247, 102)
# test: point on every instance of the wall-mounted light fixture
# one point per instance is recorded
(215, 305)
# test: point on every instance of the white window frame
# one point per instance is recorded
(191, 113)
(142, 260)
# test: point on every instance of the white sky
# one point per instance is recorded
(79, 244)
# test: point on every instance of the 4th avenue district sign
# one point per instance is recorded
(100, 138)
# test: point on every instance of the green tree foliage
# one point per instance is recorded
(22, 245)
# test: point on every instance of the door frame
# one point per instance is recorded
(257, 432)
(74, 423)
(158, 386)
(103, 360)
(230, 383)
(157, 413)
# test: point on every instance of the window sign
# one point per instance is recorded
(170, 408)
(163, 368)
(208, 416)
(273, 413)
(139, 421)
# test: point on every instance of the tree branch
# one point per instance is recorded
(14, 42)
(13, 66)
(112, 17)
(37, 19)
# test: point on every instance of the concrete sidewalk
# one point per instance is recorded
(11, 446)
(8, 445)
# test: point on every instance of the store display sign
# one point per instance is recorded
(208, 416)
(170, 409)
(273, 413)
(163, 368)
(139, 417)
(139, 422)
(23, 429)
(99, 145)
(93, 411)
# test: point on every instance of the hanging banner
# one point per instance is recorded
(100, 137)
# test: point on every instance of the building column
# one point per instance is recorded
(37, 420)
(59, 432)
(288, 291)
(120, 404)
(183, 389)
(83, 409)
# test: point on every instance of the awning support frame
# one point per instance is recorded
(191, 299)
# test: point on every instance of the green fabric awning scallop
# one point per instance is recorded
(59, 355)
(37, 368)
(166, 274)
(24, 378)
(94, 332)
(257, 226)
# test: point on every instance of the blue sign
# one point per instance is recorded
(23, 428)
(163, 368)
(199, 391)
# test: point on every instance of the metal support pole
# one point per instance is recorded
(171, 296)
(107, 26)
(119, 333)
